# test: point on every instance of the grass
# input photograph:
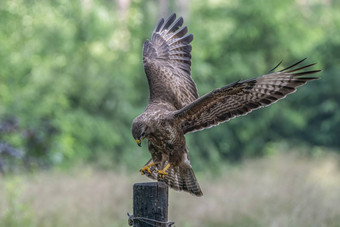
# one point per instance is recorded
(283, 190)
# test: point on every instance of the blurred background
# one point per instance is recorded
(72, 80)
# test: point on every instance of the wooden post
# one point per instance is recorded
(150, 204)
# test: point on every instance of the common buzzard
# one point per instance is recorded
(175, 108)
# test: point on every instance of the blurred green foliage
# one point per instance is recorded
(71, 74)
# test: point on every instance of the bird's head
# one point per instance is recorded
(139, 130)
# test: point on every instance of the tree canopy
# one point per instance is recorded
(72, 79)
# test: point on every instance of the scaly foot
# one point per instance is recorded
(162, 173)
(146, 169)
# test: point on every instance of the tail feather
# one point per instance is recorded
(183, 178)
(179, 178)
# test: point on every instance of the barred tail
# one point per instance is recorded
(179, 178)
(183, 179)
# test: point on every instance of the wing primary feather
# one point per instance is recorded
(186, 39)
(176, 25)
(181, 45)
(159, 25)
(288, 88)
(272, 70)
(169, 21)
(181, 32)
(293, 65)
(306, 73)
(303, 67)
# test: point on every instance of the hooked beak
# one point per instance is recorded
(139, 142)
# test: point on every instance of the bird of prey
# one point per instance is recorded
(175, 108)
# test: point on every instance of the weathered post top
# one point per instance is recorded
(150, 204)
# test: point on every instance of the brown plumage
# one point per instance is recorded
(175, 109)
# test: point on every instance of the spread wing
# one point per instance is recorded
(240, 98)
(167, 62)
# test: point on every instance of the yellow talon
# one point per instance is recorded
(162, 172)
(146, 168)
